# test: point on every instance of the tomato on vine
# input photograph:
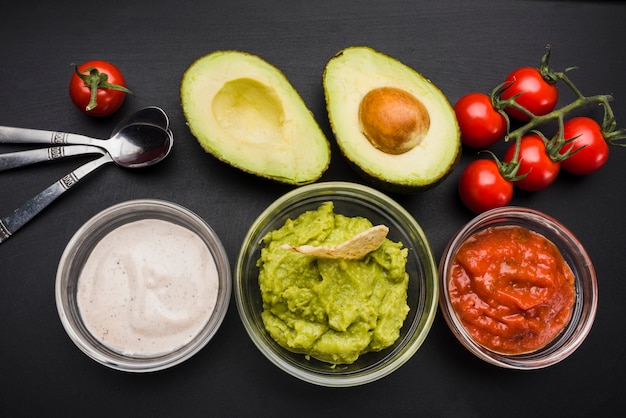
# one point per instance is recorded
(536, 163)
(483, 186)
(589, 148)
(480, 123)
(528, 88)
(98, 88)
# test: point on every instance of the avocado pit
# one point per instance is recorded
(393, 120)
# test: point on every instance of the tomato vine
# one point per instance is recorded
(535, 115)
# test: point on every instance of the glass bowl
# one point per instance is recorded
(216, 276)
(585, 298)
(350, 200)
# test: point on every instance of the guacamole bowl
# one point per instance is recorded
(352, 201)
(514, 315)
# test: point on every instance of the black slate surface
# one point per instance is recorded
(461, 46)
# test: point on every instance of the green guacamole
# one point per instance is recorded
(332, 310)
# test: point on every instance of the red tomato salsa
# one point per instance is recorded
(511, 289)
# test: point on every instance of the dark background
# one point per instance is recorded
(461, 46)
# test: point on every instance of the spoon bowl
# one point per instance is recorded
(140, 145)
(151, 115)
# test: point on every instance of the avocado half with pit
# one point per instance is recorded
(245, 112)
(392, 124)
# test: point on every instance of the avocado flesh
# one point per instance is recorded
(244, 111)
(348, 77)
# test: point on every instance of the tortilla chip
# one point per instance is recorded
(353, 249)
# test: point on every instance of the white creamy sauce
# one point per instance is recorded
(148, 288)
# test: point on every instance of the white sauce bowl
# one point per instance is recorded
(84, 245)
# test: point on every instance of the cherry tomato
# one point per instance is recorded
(535, 94)
(540, 169)
(98, 88)
(587, 134)
(481, 125)
(482, 187)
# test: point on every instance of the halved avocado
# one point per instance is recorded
(246, 113)
(392, 124)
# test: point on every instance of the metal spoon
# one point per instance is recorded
(138, 145)
(149, 115)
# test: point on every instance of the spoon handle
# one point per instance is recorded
(11, 135)
(20, 216)
(21, 158)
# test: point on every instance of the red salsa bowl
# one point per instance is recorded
(517, 288)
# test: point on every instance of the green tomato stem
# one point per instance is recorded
(578, 103)
(94, 83)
